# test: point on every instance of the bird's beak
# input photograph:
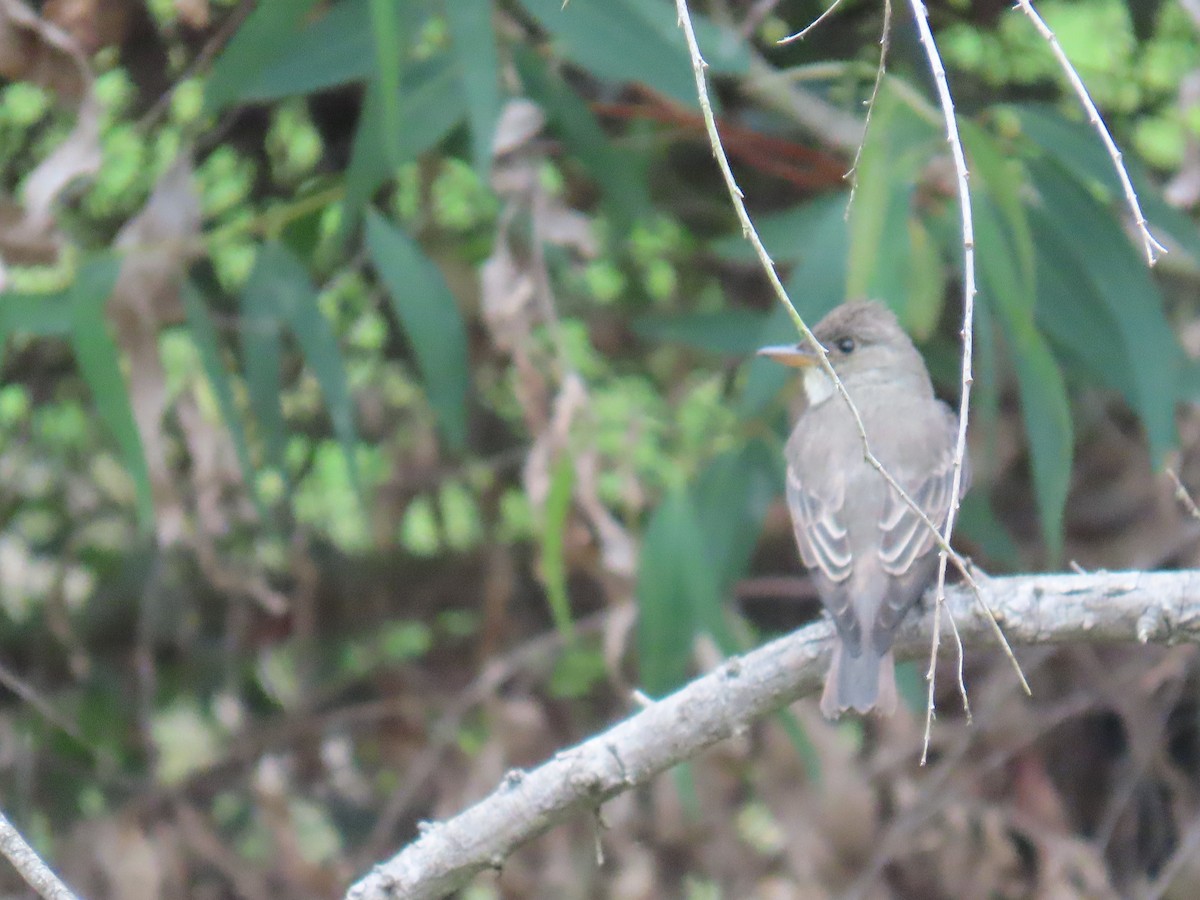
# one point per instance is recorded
(790, 355)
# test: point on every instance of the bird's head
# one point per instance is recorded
(864, 342)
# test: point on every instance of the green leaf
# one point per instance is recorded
(387, 62)
(1075, 317)
(430, 104)
(817, 284)
(730, 331)
(204, 336)
(627, 40)
(426, 310)
(264, 36)
(925, 284)
(787, 234)
(554, 568)
(1077, 148)
(1046, 411)
(1045, 407)
(1004, 179)
(100, 365)
(985, 403)
(725, 52)
(881, 259)
(42, 315)
(731, 497)
(262, 353)
(333, 50)
(279, 293)
(1003, 285)
(620, 173)
(978, 523)
(297, 300)
(674, 566)
(478, 67)
(1101, 248)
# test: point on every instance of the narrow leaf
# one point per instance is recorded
(731, 331)
(1045, 407)
(1046, 411)
(880, 255)
(667, 620)
(1076, 147)
(208, 346)
(731, 497)
(42, 315)
(620, 173)
(262, 353)
(426, 310)
(430, 104)
(265, 34)
(333, 50)
(295, 301)
(387, 66)
(100, 364)
(599, 37)
(1101, 247)
(817, 284)
(473, 35)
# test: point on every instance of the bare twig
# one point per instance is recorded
(31, 867)
(884, 43)
(1151, 246)
(800, 35)
(1155, 607)
(1182, 495)
(968, 318)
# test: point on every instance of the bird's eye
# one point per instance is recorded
(846, 345)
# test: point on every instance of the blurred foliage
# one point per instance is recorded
(408, 326)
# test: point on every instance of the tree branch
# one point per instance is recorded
(1158, 607)
(30, 866)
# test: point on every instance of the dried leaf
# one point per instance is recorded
(520, 122)
(77, 156)
(36, 50)
(157, 245)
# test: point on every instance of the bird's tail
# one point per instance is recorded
(862, 683)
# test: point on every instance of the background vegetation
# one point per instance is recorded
(366, 364)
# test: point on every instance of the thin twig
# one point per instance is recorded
(1182, 495)
(799, 35)
(960, 667)
(1151, 246)
(885, 40)
(946, 102)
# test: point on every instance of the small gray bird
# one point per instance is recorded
(871, 556)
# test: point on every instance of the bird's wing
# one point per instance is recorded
(820, 534)
(905, 538)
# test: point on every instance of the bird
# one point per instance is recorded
(869, 553)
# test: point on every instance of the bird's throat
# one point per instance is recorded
(818, 386)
